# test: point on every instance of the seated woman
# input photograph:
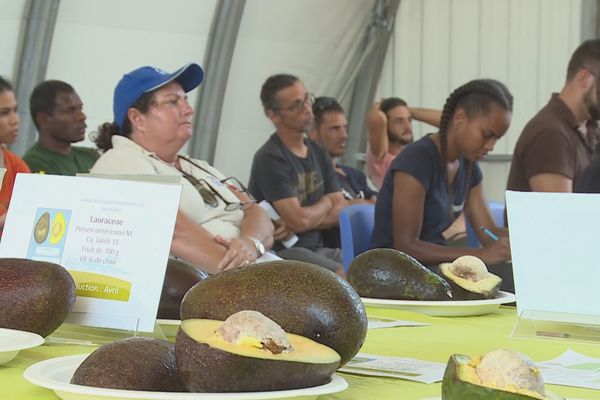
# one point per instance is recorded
(9, 129)
(218, 225)
(436, 177)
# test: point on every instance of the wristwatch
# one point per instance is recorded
(260, 247)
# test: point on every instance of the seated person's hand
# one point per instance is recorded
(240, 252)
(282, 231)
(496, 252)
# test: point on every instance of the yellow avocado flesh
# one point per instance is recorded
(467, 373)
(58, 228)
(489, 282)
(303, 349)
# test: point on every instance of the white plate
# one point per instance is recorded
(12, 341)
(56, 374)
(456, 308)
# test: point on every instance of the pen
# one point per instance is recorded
(489, 233)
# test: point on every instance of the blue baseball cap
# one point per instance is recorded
(146, 79)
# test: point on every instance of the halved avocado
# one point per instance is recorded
(59, 226)
(209, 361)
(41, 228)
(470, 280)
(132, 364)
(392, 274)
(501, 375)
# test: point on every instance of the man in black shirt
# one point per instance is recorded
(296, 175)
(330, 129)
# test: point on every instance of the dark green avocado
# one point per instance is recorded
(392, 274)
(302, 298)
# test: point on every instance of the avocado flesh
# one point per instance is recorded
(35, 296)
(462, 382)
(392, 274)
(208, 363)
(59, 227)
(468, 289)
(131, 364)
(302, 298)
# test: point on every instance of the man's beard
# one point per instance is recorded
(593, 109)
(401, 140)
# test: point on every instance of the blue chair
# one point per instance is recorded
(356, 226)
(497, 210)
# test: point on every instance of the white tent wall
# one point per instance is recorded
(311, 39)
(96, 42)
(11, 20)
(439, 45)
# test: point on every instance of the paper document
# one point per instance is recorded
(382, 322)
(572, 369)
(265, 205)
(554, 242)
(395, 367)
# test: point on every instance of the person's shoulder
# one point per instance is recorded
(273, 147)
(351, 171)
(88, 151)
(12, 158)
(424, 147)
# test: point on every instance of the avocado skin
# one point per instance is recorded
(302, 298)
(391, 274)
(131, 364)
(460, 293)
(35, 296)
(455, 389)
(206, 369)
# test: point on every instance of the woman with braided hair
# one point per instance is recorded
(437, 177)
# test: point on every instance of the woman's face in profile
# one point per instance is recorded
(9, 118)
(169, 118)
(481, 132)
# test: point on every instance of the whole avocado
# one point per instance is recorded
(35, 296)
(302, 298)
(391, 274)
(140, 363)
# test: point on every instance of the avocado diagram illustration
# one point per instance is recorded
(42, 228)
(58, 228)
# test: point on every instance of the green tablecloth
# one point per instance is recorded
(445, 336)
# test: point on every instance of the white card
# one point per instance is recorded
(554, 246)
(113, 236)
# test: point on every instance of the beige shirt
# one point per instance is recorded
(127, 157)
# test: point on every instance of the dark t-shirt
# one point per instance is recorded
(278, 174)
(422, 161)
(354, 186)
(42, 160)
(589, 182)
(552, 143)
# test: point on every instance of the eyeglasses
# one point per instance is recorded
(211, 196)
(298, 105)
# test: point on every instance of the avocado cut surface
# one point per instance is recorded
(131, 364)
(208, 362)
(302, 298)
(501, 374)
(392, 274)
(304, 349)
(470, 280)
(35, 296)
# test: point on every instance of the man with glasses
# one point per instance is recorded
(330, 129)
(558, 143)
(296, 175)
